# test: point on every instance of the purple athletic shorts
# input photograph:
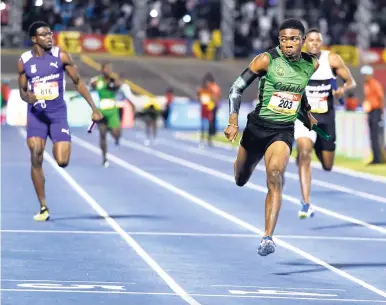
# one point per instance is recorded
(52, 122)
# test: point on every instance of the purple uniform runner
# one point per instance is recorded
(48, 116)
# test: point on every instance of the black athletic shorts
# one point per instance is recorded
(320, 143)
(259, 134)
(151, 114)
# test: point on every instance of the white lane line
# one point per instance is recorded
(57, 281)
(225, 215)
(290, 175)
(234, 296)
(193, 234)
(116, 227)
(250, 185)
(90, 291)
(338, 169)
(283, 288)
(61, 232)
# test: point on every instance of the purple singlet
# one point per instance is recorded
(48, 116)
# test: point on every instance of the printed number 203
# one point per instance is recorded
(285, 104)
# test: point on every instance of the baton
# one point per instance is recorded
(335, 87)
(91, 126)
(315, 128)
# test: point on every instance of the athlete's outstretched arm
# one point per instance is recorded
(343, 72)
(25, 94)
(126, 90)
(257, 68)
(91, 86)
(92, 83)
(72, 72)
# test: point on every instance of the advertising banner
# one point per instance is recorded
(176, 48)
(349, 54)
(93, 43)
(77, 42)
(158, 47)
(69, 41)
(122, 45)
(373, 56)
(119, 45)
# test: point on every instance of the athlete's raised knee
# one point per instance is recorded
(241, 180)
(63, 163)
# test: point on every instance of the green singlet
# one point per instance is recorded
(282, 87)
(107, 101)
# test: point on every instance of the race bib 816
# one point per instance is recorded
(46, 91)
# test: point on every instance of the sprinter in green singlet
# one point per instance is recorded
(283, 74)
(107, 87)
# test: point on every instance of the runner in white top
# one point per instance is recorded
(320, 95)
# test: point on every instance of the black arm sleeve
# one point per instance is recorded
(304, 108)
(241, 83)
(304, 104)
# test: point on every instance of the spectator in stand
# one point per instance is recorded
(374, 105)
(5, 93)
(169, 95)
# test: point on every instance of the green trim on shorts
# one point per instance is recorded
(111, 117)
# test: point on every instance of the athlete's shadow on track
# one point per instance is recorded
(322, 269)
(348, 225)
(113, 216)
(328, 192)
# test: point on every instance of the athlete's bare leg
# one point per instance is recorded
(305, 147)
(36, 146)
(154, 128)
(276, 159)
(62, 152)
(326, 158)
(103, 140)
(116, 133)
(244, 165)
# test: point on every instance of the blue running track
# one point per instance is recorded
(166, 225)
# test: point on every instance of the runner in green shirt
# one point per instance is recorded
(107, 88)
(284, 73)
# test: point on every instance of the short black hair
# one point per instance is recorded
(292, 23)
(209, 77)
(35, 26)
(313, 30)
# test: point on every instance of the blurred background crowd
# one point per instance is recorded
(256, 21)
